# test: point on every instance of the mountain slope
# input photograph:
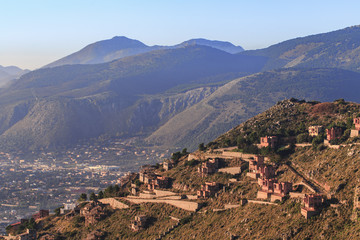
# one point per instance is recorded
(9, 73)
(339, 49)
(104, 51)
(54, 104)
(243, 98)
(232, 211)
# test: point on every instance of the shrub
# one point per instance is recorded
(321, 147)
(303, 137)
(191, 163)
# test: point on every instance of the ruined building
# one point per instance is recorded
(208, 189)
(257, 168)
(93, 212)
(268, 141)
(139, 223)
(159, 182)
(312, 205)
(333, 133)
(208, 167)
(273, 190)
(356, 132)
(315, 130)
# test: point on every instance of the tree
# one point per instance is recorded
(184, 152)
(100, 195)
(176, 156)
(202, 148)
(116, 188)
(92, 196)
(31, 224)
(83, 197)
(57, 210)
(303, 137)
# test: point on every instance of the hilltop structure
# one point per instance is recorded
(333, 133)
(208, 167)
(269, 141)
(208, 189)
(312, 204)
(356, 132)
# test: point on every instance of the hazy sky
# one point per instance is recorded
(37, 32)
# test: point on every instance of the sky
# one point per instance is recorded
(37, 32)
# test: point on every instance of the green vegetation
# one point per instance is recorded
(177, 155)
(82, 197)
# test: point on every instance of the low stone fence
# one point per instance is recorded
(186, 205)
(262, 202)
(230, 170)
(162, 193)
(296, 195)
(229, 206)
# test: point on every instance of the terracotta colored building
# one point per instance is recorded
(356, 132)
(41, 214)
(333, 133)
(315, 130)
(357, 123)
(269, 141)
(267, 171)
(270, 188)
(312, 205)
(208, 167)
(159, 182)
(208, 189)
(257, 168)
(93, 212)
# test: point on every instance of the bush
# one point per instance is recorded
(317, 140)
(57, 210)
(185, 220)
(82, 197)
(303, 137)
(202, 148)
(191, 163)
(321, 147)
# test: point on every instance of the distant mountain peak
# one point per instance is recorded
(221, 45)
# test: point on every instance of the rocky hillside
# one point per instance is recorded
(338, 49)
(61, 105)
(9, 73)
(233, 209)
(243, 98)
(159, 95)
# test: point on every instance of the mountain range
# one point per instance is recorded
(9, 73)
(120, 47)
(179, 95)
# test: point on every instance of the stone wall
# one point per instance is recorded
(231, 170)
(186, 205)
(113, 203)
